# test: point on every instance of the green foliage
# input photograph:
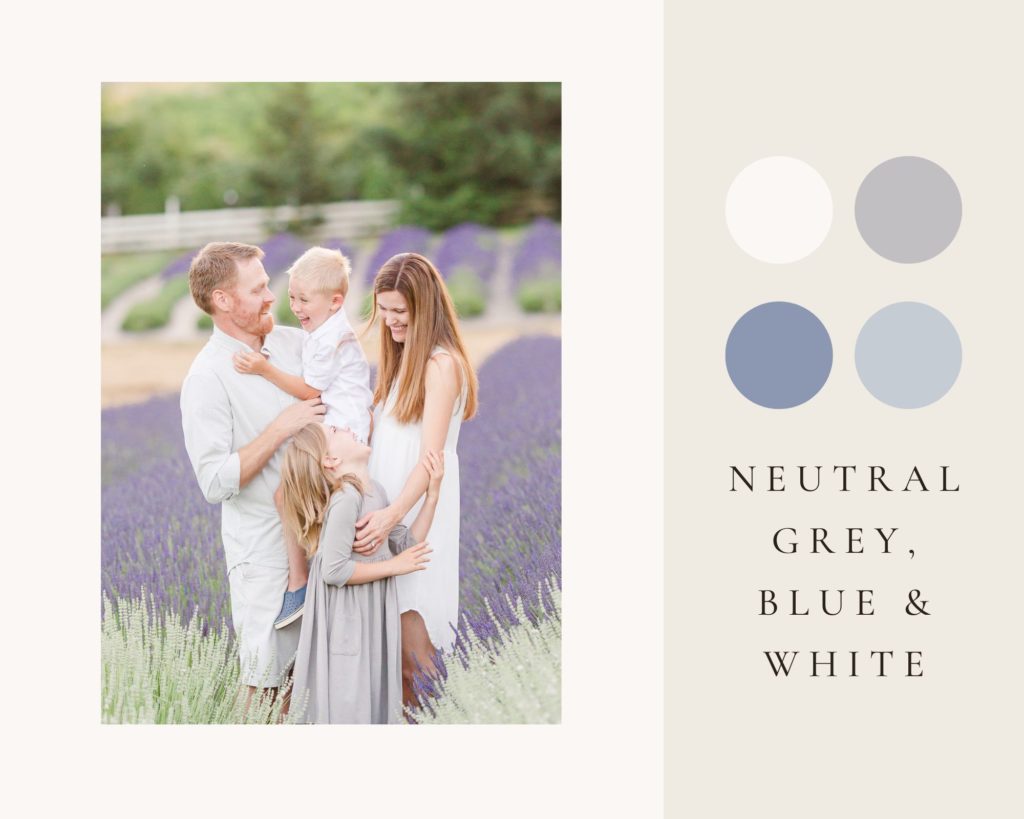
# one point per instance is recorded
(483, 152)
(451, 152)
(541, 296)
(204, 322)
(290, 157)
(159, 670)
(119, 271)
(283, 312)
(467, 292)
(366, 306)
(156, 312)
(510, 680)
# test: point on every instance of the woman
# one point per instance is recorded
(425, 389)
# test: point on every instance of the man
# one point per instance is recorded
(234, 425)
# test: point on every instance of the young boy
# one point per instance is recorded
(333, 368)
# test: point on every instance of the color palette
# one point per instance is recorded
(908, 210)
(779, 355)
(778, 209)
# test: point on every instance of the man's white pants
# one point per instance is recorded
(265, 652)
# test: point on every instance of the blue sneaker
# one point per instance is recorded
(291, 609)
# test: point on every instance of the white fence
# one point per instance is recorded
(173, 229)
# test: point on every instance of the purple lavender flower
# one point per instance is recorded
(403, 239)
(281, 250)
(179, 266)
(468, 247)
(158, 531)
(511, 480)
(347, 250)
(539, 255)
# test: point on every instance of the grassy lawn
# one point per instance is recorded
(119, 271)
(156, 312)
(540, 296)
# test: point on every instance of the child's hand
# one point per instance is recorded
(252, 363)
(413, 559)
(434, 464)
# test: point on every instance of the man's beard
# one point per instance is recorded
(257, 324)
(266, 324)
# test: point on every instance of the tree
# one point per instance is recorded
(483, 152)
(289, 165)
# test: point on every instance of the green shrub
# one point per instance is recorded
(467, 292)
(119, 271)
(158, 670)
(367, 306)
(204, 322)
(282, 310)
(156, 312)
(541, 296)
(514, 679)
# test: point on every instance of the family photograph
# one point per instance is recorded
(331, 422)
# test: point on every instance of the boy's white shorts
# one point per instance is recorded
(256, 596)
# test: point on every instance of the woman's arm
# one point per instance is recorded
(442, 391)
(402, 537)
(255, 364)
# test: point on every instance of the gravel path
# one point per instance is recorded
(111, 318)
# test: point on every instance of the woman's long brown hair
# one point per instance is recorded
(432, 323)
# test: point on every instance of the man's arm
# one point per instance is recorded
(207, 424)
(255, 454)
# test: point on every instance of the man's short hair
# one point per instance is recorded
(325, 270)
(215, 267)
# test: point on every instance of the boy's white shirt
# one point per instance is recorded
(334, 363)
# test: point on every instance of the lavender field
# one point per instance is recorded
(497, 275)
(159, 534)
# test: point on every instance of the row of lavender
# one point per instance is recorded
(467, 254)
(158, 532)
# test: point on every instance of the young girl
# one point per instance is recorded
(349, 656)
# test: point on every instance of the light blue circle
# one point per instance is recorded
(908, 355)
(779, 355)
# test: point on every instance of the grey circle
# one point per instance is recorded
(908, 355)
(778, 355)
(908, 209)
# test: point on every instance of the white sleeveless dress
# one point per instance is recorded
(434, 592)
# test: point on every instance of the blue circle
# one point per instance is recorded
(908, 355)
(779, 355)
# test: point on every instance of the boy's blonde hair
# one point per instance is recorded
(326, 270)
(306, 486)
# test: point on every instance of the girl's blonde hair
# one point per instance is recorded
(432, 323)
(307, 487)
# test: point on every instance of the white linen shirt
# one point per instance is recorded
(333, 362)
(223, 410)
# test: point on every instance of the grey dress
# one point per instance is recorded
(349, 658)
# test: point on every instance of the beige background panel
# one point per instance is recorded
(843, 92)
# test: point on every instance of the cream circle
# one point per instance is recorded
(778, 209)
